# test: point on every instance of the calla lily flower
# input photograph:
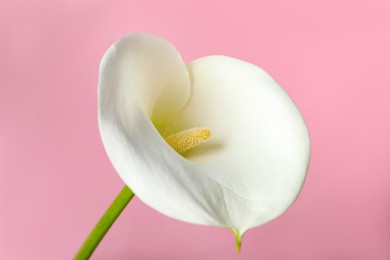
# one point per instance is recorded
(214, 142)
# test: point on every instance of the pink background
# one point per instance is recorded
(333, 58)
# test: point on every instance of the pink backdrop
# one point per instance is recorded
(333, 58)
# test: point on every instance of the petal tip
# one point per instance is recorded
(238, 240)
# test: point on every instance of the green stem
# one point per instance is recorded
(105, 223)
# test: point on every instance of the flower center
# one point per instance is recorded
(187, 139)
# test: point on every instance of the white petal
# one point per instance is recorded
(146, 71)
(259, 149)
(251, 170)
(133, 72)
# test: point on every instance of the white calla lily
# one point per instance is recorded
(248, 172)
